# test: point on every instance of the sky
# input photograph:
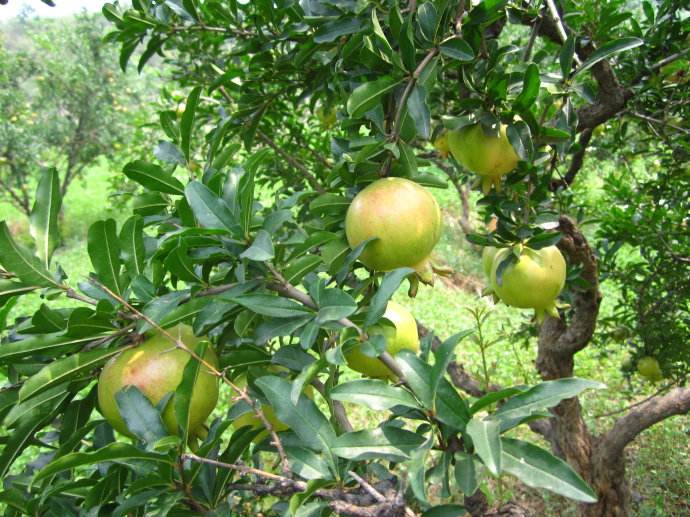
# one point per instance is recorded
(62, 7)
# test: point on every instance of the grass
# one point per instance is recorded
(658, 463)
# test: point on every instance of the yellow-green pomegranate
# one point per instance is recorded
(649, 368)
(405, 218)
(534, 282)
(155, 367)
(488, 254)
(403, 337)
(491, 157)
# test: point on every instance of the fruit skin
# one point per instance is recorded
(156, 367)
(403, 215)
(488, 156)
(648, 367)
(403, 337)
(488, 254)
(534, 282)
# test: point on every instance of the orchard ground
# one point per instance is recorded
(659, 459)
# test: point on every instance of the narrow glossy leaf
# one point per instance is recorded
(159, 307)
(520, 137)
(351, 258)
(240, 440)
(60, 371)
(183, 392)
(304, 418)
(187, 122)
(543, 396)
(530, 88)
(209, 209)
(443, 356)
(180, 265)
(451, 408)
(494, 396)
(299, 268)
(487, 442)
(465, 473)
(47, 345)
(104, 251)
(47, 320)
(377, 395)
(153, 177)
(390, 283)
(305, 377)
(275, 327)
(21, 262)
(368, 95)
(607, 50)
(84, 322)
(331, 31)
(115, 452)
(132, 245)
(52, 397)
(419, 111)
(445, 510)
(44, 215)
(539, 468)
(245, 190)
(427, 16)
(329, 204)
(21, 437)
(417, 374)
(335, 304)
(457, 48)
(261, 249)
(168, 152)
(307, 464)
(418, 468)
(269, 305)
(566, 55)
(10, 289)
(141, 417)
(388, 442)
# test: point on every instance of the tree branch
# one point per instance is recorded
(626, 428)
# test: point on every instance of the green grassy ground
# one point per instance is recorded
(658, 461)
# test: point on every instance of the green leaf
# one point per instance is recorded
(566, 55)
(10, 289)
(465, 473)
(44, 215)
(187, 122)
(21, 262)
(607, 50)
(153, 177)
(329, 204)
(305, 377)
(21, 437)
(485, 435)
(538, 468)
(388, 442)
(390, 283)
(210, 210)
(168, 152)
(299, 268)
(183, 392)
(335, 304)
(304, 418)
(443, 356)
(141, 417)
(57, 372)
(104, 251)
(115, 452)
(530, 88)
(54, 397)
(417, 374)
(261, 249)
(85, 322)
(46, 345)
(331, 31)
(179, 264)
(445, 510)
(457, 48)
(427, 16)
(269, 305)
(132, 244)
(377, 395)
(368, 95)
(494, 396)
(307, 464)
(419, 111)
(542, 396)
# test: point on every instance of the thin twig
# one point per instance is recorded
(630, 406)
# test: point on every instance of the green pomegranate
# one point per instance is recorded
(403, 215)
(155, 367)
(649, 368)
(491, 157)
(403, 337)
(534, 282)
(488, 254)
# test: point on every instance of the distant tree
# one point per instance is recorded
(64, 103)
